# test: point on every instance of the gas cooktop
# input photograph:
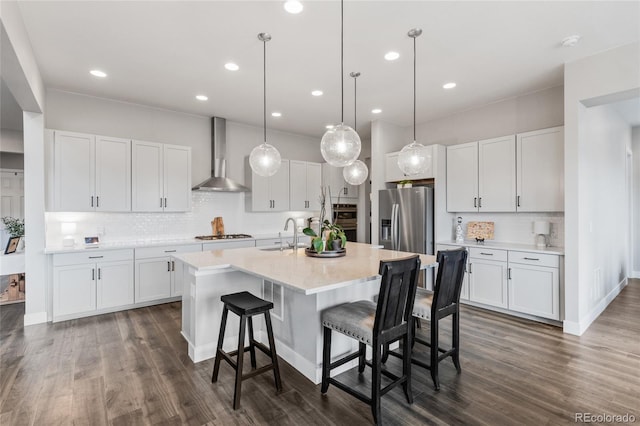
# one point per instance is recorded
(223, 237)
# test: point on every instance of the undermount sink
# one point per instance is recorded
(285, 248)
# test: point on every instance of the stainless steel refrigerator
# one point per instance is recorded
(406, 220)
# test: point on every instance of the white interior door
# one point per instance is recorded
(12, 193)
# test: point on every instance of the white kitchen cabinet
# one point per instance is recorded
(540, 159)
(270, 194)
(481, 176)
(488, 277)
(161, 177)
(462, 177)
(534, 284)
(89, 282)
(157, 275)
(393, 173)
(340, 189)
(226, 245)
(91, 173)
(305, 182)
(497, 174)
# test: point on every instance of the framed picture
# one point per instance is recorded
(12, 245)
(90, 241)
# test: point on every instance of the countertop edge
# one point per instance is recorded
(507, 246)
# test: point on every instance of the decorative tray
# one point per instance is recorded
(337, 253)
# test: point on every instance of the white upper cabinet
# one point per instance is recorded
(393, 173)
(270, 194)
(540, 157)
(305, 181)
(91, 173)
(161, 177)
(340, 189)
(462, 177)
(497, 175)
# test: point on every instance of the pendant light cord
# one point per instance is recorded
(342, 60)
(414, 89)
(264, 86)
(355, 103)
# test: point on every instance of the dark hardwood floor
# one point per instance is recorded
(132, 368)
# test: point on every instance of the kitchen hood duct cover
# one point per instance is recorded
(218, 181)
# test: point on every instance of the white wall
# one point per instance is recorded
(11, 141)
(604, 207)
(635, 149)
(610, 76)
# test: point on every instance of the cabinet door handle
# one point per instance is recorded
(97, 201)
(480, 202)
(96, 257)
(165, 202)
(173, 265)
(170, 251)
(486, 254)
(346, 190)
(93, 274)
(92, 201)
(531, 258)
(99, 273)
(518, 201)
(470, 265)
(168, 266)
(274, 204)
(475, 202)
(509, 273)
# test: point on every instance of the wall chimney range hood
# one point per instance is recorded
(218, 181)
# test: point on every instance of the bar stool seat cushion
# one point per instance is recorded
(353, 319)
(422, 305)
(245, 303)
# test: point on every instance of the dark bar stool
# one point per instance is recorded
(246, 305)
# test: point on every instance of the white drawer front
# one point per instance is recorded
(488, 254)
(92, 256)
(150, 252)
(539, 259)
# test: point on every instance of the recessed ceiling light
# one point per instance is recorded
(571, 41)
(293, 6)
(231, 66)
(329, 126)
(450, 85)
(391, 56)
(202, 97)
(317, 93)
(276, 114)
(98, 73)
(376, 111)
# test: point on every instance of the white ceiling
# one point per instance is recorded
(164, 53)
(629, 110)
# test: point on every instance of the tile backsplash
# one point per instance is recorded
(144, 227)
(516, 227)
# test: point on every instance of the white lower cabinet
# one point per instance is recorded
(534, 284)
(488, 282)
(88, 282)
(158, 275)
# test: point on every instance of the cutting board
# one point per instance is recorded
(217, 226)
(480, 230)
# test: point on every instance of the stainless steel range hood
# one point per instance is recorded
(218, 181)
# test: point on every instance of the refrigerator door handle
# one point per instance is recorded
(393, 226)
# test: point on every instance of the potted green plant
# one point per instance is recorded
(15, 227)
(405, 184)
(334, 237)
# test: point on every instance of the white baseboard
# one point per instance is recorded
(635, 274)
(578, 328)
(35, 318)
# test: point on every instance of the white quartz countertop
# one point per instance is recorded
(296, 270)
(507, 246)
(160, 242)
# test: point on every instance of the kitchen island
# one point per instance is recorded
(299, 286)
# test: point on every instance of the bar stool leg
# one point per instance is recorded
(375, 382)
(406, 366)
(216, 363)
(456, 342)
(239, 360)
(274, 355)
(434, 353)
(326, 359)
(362, 357)
(252, 349)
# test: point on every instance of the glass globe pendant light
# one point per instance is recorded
(265, 158)
(355, 173)
(413, 157)
(340, 146)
